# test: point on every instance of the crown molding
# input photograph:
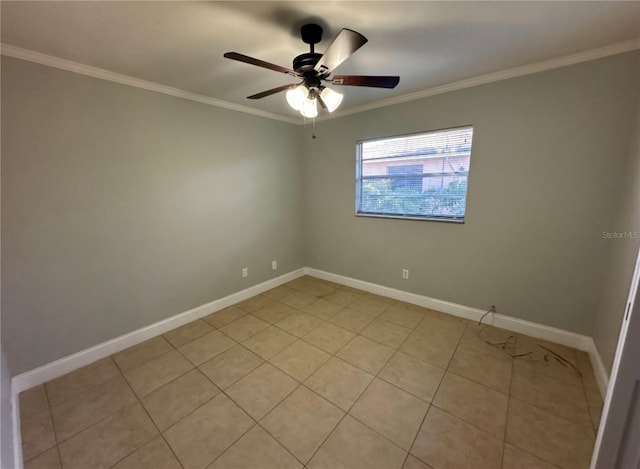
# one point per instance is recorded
(9, 50)
(76, 67)
(585, 56)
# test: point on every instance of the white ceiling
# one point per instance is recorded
(180, 44)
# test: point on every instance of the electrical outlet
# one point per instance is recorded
(405, 274)
(245, 272)
(274, 265)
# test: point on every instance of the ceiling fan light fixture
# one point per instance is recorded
(297, 96)
(332, 99)
(309, 107)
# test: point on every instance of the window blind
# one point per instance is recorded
(415, 176)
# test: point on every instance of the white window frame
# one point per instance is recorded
(440, 218)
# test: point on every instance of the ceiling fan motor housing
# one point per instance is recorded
(304, 63)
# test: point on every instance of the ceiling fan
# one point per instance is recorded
(314, 69)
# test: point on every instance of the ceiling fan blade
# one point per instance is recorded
(260, 63)
(272, 91)
(344, 44)
(363, 80)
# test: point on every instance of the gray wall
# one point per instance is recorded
(549, 151)
(623, 255)
(122, 207)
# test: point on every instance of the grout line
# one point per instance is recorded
(506, 420)
(435, 393)
(139, 400)
(53, 425)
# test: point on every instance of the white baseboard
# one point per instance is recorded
(599, 370)
(540, 331)
(77, 360)
(15, 428)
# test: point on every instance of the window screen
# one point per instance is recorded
(415, 176)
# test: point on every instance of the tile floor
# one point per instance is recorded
(312, 374)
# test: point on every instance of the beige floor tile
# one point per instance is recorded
(538, 364)
(176, 399)
(366, 354)
(586, 370)
(315, 288)
(355, 291)
(188, 332)
(151, 375)
(474, 403)
(275, 312)
(225, 316)
(206, 347)
(371, 306)
(402, 316)
(411, 306)
(33, 401)
(256, 450)
(381, 298)
(73, 383)
(37, 434)
(341, 297)
(298, 300)
(544, 347)
(329, 337)
(351, 320)
(141, 353)
(436, 349)
(244, 327)
(352, 445)
(390, 411)
(155, 454)
(562, 442)
(475, 338)
(435, 324)
(261, 390)
(541, 360)
(107, 442)
(83, 410)
(386, 333)
(322, 309)
(47, 460)
(515, 458)
(445, 441)
(413, 375)
(278, 292)
(204, 434)
(231, 365)
(300, 360)
(485, 369)
(269, 342)
(299, 323)
(594, 401)
(562, 399)
(414, 463)
(302, 422)
(255, 303)
(339, 382)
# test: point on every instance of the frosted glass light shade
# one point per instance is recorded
(309, 108)
(296, 96)
(332, 99)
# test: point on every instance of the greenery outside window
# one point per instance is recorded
(419, 176)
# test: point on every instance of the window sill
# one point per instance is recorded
(459, 221)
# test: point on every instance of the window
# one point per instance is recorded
(421, 176)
